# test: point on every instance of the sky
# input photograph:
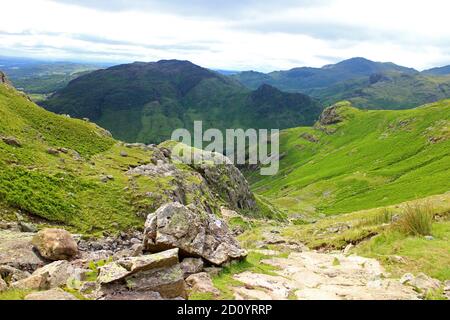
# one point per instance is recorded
(229, 35)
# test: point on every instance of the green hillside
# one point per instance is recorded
(145, 102)
(367, 159)
(58, 170)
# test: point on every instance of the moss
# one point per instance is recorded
(14, 294)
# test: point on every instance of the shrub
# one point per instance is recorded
(417, 219)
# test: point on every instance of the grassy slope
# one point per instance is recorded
(62, 189)
(375, 158)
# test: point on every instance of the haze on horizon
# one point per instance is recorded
(231, 35)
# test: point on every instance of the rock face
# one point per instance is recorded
(55, 244)
(196, 234)
(54, 294)
(143, 277)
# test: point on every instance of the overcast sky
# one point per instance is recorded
(229, 34)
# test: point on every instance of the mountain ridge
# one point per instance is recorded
(145, 102)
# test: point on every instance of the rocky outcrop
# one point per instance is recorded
(4, 79)
(330, 116)
(55, 244)
(220, 173)
(196, 234)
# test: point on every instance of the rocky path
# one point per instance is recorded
(310, 275)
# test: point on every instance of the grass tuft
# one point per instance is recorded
(416, 220)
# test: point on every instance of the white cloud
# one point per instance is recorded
(259, 35)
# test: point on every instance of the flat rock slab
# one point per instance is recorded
(16, 250)
(54, 294)
(321, 276)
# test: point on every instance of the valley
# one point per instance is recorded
(359, 209)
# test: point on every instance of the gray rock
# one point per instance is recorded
(12, 141)
(52, 151)
(429, 238)
(12, 274)
(123, 154)
(27, 227)
(54, 294)
(153, 261)
(202, 283)
(16, 250)
(196, 234)
(33, 282)
(88, 287)
(112, 272)
(191, 266)
(168, 282)
(58, 273)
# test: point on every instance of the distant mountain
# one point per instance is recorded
(145, 102)
(313, 78)
(441, 71)
(367, 84)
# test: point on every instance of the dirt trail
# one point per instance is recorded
(310, 275)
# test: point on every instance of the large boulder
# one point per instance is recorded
(55, 244)
(54, 294)
(196, 234)
(16, 250)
